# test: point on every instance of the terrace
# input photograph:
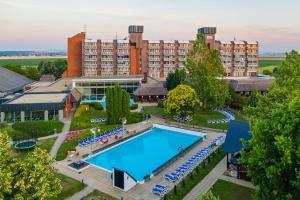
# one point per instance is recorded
(100, 179)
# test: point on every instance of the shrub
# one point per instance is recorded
(160, 104)
(36, 128)
(98, 106)
(3, 125)
(135, 117)
(267, 72)
(134, 106)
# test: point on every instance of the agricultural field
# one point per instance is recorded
(269, 64)
(25, 61)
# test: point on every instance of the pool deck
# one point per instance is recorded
(101, 180)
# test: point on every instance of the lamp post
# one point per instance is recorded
(93, 130)
(124, 121)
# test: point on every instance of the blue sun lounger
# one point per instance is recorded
(170, 178)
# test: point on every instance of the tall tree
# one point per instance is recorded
(175, 78)
(30, 178)
(182, 100)
(117, 104)
(272, 156)
(205, 72)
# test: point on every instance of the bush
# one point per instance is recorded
(3, 125)
(160, 104)
(98, 106)
(134, 106)
(36, 128)
(135, 117)
(267, 72)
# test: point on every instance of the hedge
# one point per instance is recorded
(25, 130)
(134, 106)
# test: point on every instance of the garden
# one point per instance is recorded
(32, 129)
(230, 191)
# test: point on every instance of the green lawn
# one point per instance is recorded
(97, 195)
(29, 129)
(43, 144)
(230, 191)
(69, 187)
(190, 182)
(82, 118)
(199, 118)
(26, 62)
(266, 63)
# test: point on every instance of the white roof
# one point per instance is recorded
(183, 41)
(90, 40)
(169, 42)
(252, 42)
(239, 42)
(107, 41)
(154, 41)
(39, 98)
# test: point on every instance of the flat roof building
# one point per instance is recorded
(52, 102)
(136, 56)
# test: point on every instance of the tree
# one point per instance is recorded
(253, 98)
(235, 100)
(209, 196)
(30, 178)
(30, 72)
(205, 73)
(272, 156)
(182, 100)
(117, 104)
(175, 78)
(55, 67)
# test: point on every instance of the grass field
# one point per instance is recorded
(26, 62)
(268, 65)
(69, 187)
(199, 118)
(230, 191)
(97, 195)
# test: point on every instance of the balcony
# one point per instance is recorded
(150, 58)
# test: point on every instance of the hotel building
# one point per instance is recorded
(94, 65)
(136, 56)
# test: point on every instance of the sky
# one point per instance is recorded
(46, 24)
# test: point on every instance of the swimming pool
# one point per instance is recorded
(142, 154)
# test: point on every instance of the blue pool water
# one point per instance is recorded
(143, 154)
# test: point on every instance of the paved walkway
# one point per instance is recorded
(208, 181)
(49, 136)
(79, 195)
(60, 139)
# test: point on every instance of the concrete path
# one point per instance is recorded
(49, 136)
(60, 139)
(208, 181)
(79, 195)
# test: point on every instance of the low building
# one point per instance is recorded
(245, 86)
(93, 89)
(42, 103)
(152, 91)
